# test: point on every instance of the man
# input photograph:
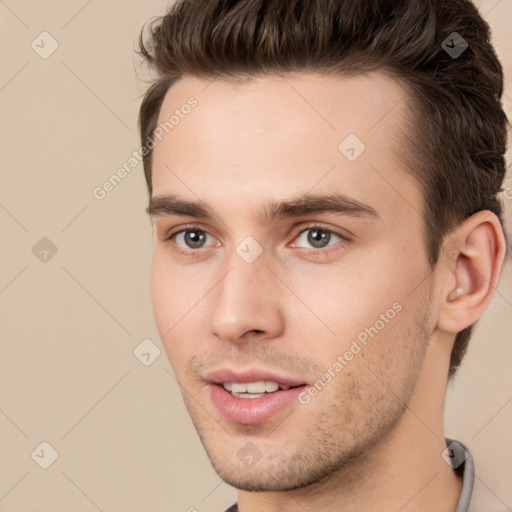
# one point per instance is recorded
(323, 180)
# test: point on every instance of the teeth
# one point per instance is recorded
(247, 395)
(253, 389)
(262, 387)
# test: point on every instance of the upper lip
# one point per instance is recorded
(222, 375)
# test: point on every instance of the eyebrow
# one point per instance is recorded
(307, 204)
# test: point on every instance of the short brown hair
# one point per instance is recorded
(456, 139)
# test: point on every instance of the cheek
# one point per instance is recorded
(161, 282)
(366, 300)
(368, 370)
(168, 297)
(347, 298)
(174, 288)
(177, 295)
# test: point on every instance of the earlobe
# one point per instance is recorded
(470, 273)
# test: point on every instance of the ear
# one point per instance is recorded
(472, 258)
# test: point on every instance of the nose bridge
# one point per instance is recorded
(246, 298)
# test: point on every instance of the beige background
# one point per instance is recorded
(70, 325)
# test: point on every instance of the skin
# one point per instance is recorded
(372, 438)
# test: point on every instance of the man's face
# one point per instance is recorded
(254, 292)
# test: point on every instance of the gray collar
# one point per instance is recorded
(467, 469)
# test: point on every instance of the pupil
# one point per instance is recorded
(318, 238)
(195, 238)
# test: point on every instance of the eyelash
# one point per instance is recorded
(194, 253)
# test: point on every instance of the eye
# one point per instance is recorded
(318, 237)
(191, 238)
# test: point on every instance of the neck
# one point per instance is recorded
(404, 471)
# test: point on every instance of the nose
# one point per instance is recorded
(247, 303)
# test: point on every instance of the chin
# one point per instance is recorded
(278, 473)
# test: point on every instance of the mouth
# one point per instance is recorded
(254, 396)
(254, 389)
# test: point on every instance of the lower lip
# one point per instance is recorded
(252, 410)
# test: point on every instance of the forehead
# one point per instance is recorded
(280, 136)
